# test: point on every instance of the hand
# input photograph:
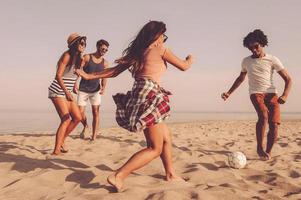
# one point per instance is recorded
(102, 91)
(225, 95)
(78, 72)
(282, 99)
(190, 59)
(69, 96)
(75, 89)
(82, 74)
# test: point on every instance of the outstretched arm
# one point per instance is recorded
(106, 73)
(235, 85)
(288, 84)
(177, 62)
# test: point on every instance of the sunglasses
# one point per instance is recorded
(164, 38)
(82, 43)
(104, 49)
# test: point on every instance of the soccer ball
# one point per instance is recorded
(237, 160)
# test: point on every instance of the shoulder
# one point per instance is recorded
(273, 58)
(86, 57)
(246, 59)
(65, 57)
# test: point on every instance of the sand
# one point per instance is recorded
(200, 154)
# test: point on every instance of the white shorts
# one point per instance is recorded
(82, 98)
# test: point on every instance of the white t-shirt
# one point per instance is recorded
(260, 73)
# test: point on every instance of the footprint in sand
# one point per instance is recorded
(268, 179)
(294, 174)
(283, 144)
(263, 191)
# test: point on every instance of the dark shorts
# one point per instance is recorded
(266, 106)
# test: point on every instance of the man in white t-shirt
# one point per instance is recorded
(260, 67)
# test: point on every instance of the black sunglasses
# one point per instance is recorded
(104, 49)
(82, 43)
(164, 38)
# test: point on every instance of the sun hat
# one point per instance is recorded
(74, 37)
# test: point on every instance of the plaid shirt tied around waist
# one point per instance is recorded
(145, 105)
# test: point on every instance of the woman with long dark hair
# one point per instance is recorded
(146, 106)
(60, 90)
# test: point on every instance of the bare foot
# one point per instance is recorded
(84, 133)
(64, 149)
(115, 182)
(175, 178)
(53, 156)
(263, 155)
(270, 155)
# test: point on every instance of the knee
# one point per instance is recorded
(65, 119)
(95, 113)
(156, 151)
(273, 125)
(263, 119)
(77, 118)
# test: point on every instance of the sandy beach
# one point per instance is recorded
(200, 154)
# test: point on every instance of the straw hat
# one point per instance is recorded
(74, 37)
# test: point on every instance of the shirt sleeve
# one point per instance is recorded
(277, 64)
(243, 66)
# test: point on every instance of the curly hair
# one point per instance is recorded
(256, 36)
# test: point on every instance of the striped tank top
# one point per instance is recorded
(69, 79)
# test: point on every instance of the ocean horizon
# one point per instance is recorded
(37, 121)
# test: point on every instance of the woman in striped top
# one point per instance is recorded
(60, 90)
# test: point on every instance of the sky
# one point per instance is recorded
(34, 34)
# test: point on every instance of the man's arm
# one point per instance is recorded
(235, 85)
(288, 84)
(104, 80)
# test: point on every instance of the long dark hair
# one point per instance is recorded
(75, 56)
(132, 56)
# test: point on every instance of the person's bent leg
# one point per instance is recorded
(61, 106)
(84, 122)
(154, 137)
(95, 123)
(166, 155)
(82, 99)
(83, 114)
(75, 116)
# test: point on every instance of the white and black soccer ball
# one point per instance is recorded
(237, 160)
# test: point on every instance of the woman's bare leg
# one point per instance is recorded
(75, 116)
(84, 120)
(154, 137)
(166, 156)
(61, 107)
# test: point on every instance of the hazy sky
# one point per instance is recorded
(34, 33)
